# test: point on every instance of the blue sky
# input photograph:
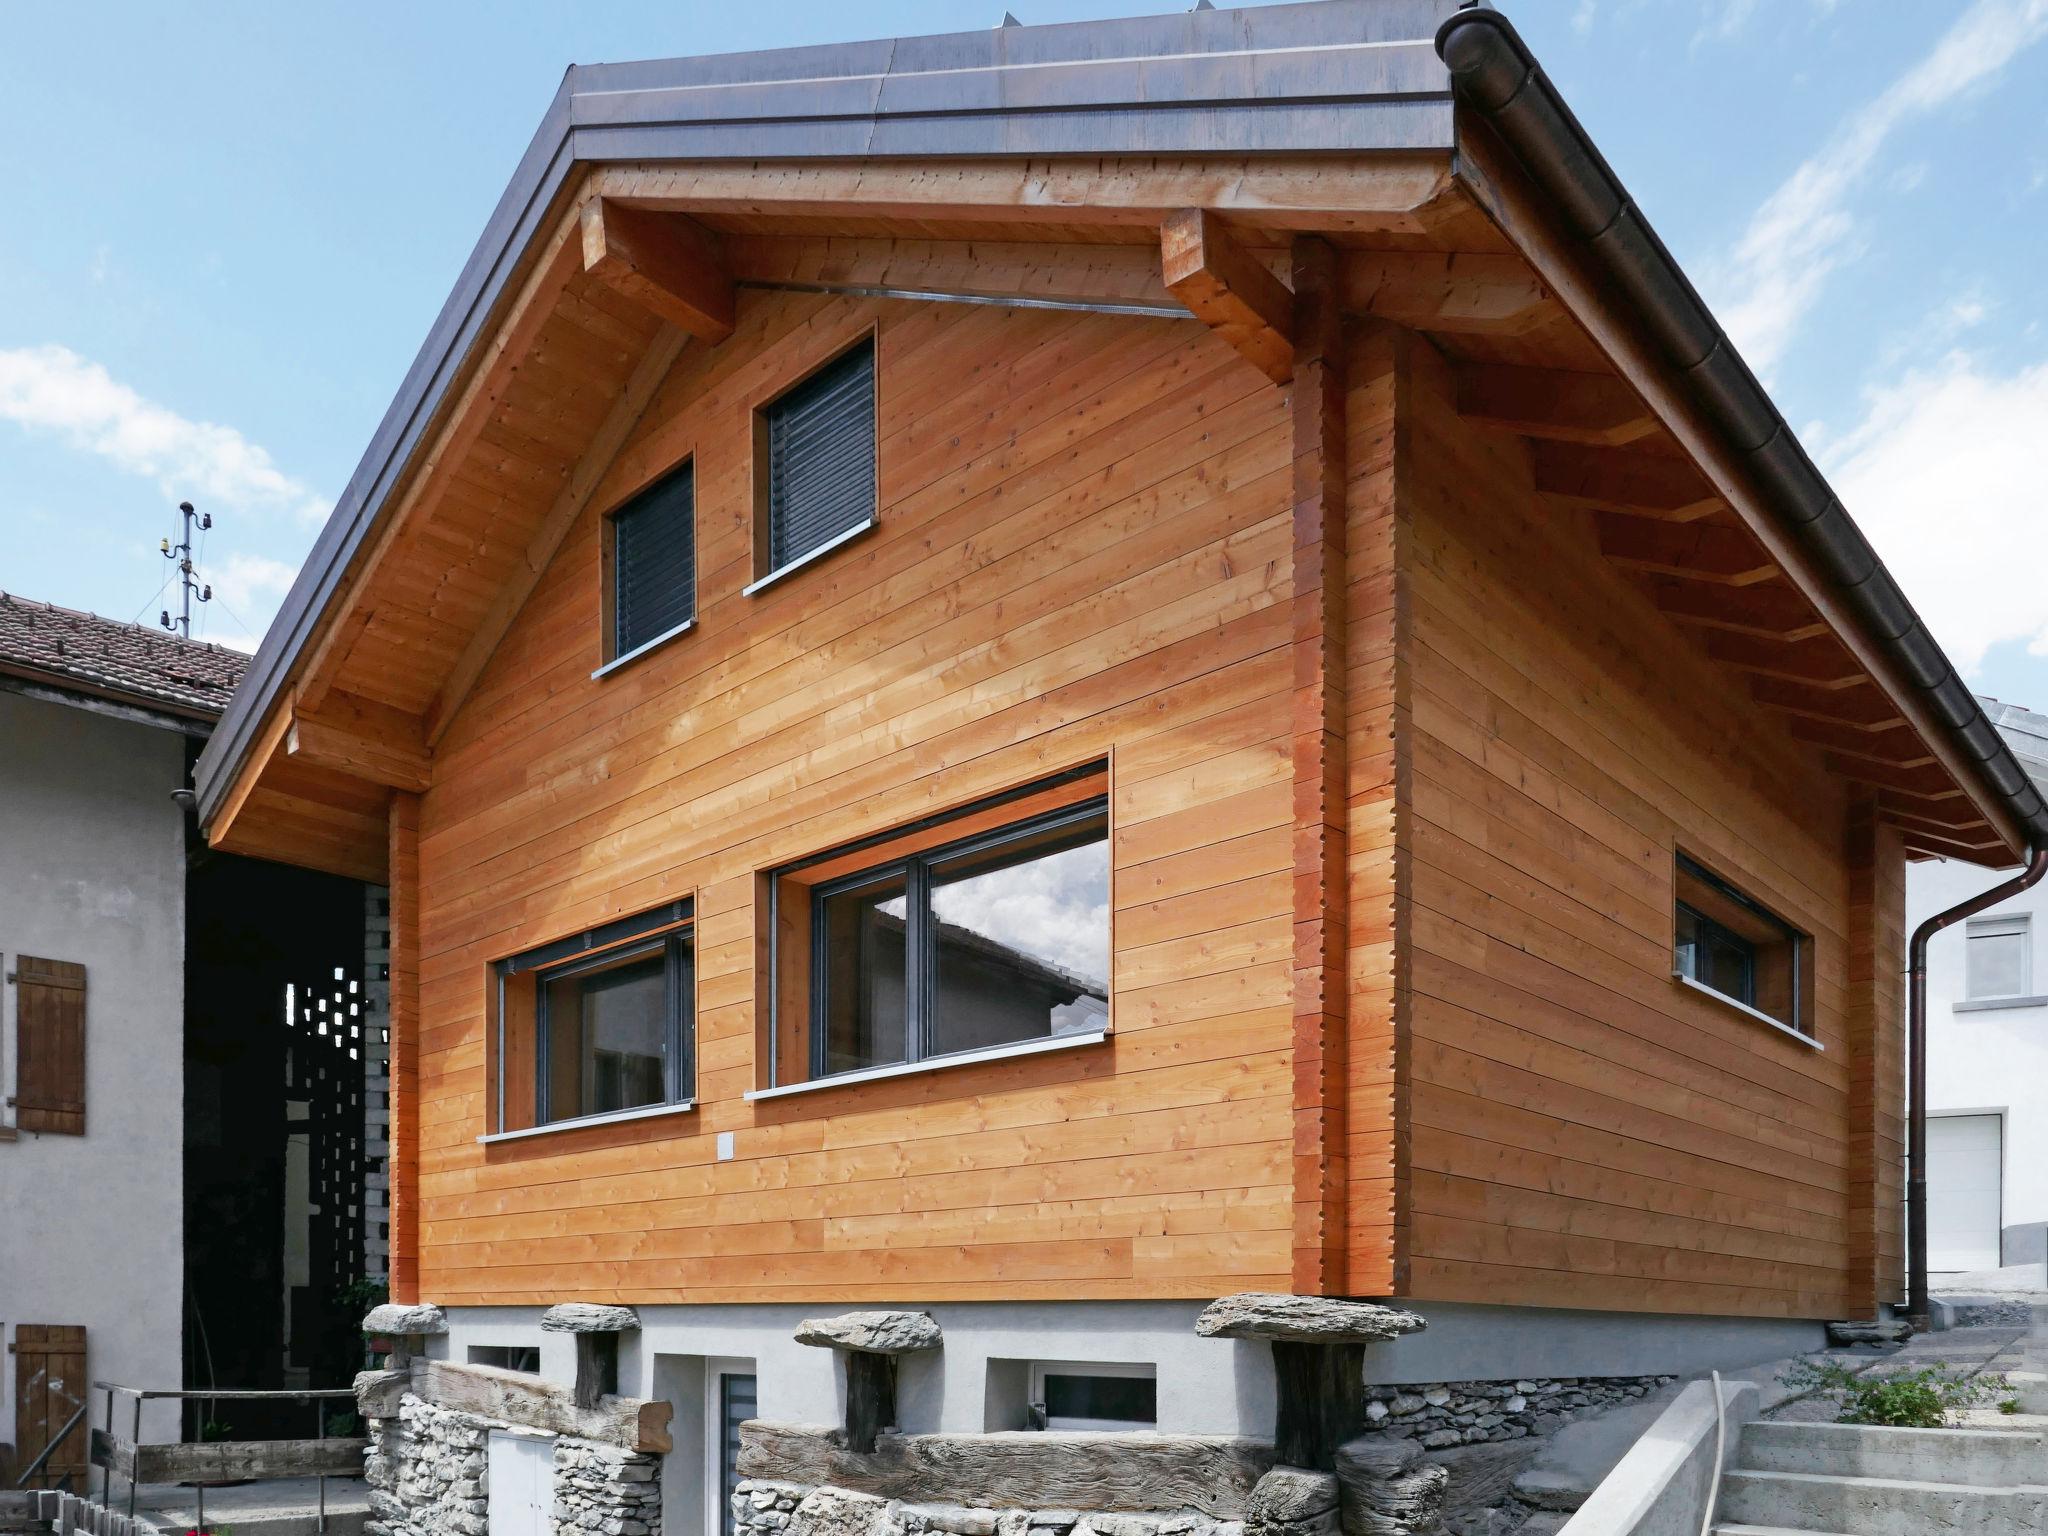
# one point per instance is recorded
(233, 224)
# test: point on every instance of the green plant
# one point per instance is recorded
(2008, 1405)
(1929, 1398)
(213, 1429)
(358, 1297)
(342, 1425)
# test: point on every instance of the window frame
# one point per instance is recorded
(1123, 1370)
(920, 953)
(1799, 941)
(664, 929)
(767, 574)
(613, 657)
(2018, 925)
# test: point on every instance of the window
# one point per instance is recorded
(651, 545)
(815, 475)
(507, 1357)
(1996, 951)
(982, 931)
(1096, 1395)
(599, 1024)
(1731, 945)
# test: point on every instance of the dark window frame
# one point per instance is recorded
(1797, 940)
(616, 651)
(767, 568)
(921, 954)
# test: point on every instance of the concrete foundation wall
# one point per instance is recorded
(92, 870)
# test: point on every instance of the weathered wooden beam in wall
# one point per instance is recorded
(1617, 480)
(1050, 1469)
(228, 1460)
(667, 264)
(1591, 408)
(1228, 290)
(631, 1423)
(1321, 776)
(1468, 292)
(1694, 551)
(363, 739)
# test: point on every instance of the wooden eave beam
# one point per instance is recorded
(1931, 784)
(667, 264)
(569, 504)
(1693, 551)
(1614, 480)
(1595, 409)
(363, 739)
(1500, 185)
(1942, 848)
(1822, 662)
(1454, 292)
(1770, 611)
(1228, 290)
(1891, 743)
(1864, 706)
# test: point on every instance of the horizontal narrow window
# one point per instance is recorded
(654, 562)
(1728, 943)
(820, 459)
(1094, 1395)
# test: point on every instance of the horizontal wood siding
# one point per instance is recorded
(1582, 1131)
(1082, 552)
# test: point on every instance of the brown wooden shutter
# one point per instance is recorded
(49, 1017)
(49, 1385)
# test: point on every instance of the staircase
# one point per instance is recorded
(1856, 1480)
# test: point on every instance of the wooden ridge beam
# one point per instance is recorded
(667, 264)
(363, 739)
(1821, 662)
(1229, 291)
(1769, 611)
(569, 503)
(1464, 292)
(1614, 480)
(1693, 551)
(1596, 409)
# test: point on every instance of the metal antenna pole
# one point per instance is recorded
(187, 578)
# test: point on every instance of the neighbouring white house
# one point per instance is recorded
(1987, 1045)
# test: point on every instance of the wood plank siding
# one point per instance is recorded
(1082, 553)
(1581, 1130)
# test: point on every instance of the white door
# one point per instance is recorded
(1965, 1163)
(522, 1484)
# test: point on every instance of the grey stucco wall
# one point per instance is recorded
(92, 863)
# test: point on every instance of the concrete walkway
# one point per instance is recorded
(287, 1507)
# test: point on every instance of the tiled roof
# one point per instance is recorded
(149, 667)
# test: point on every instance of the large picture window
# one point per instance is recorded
(1728, 943)
(981, 933)
(598, 1025)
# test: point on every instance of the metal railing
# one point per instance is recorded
(44, 1455)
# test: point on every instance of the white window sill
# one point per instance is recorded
(807, 557)
(583, 1122)
(644, 647)
(933, 1064)
(1745, 1010)
(1992, 1004)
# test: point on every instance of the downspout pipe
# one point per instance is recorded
(1917, 1305)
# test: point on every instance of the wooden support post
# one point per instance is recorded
(1321, 776)
(1321, 1405)
(1877, 1060)
(870, 1398)
(1228, 290)
(404, 1024)
(668, 264)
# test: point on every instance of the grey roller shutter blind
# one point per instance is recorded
(654, 560)
(821, 457)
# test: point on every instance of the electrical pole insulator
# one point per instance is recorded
(189, 585)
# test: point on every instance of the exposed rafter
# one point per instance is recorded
(1615, 480)
(1769, 611)
(667, 264)
(1864, 706)
(1695, 551)
(1891, 743)
(1823, 663)
(1596, 409)
(1228, 290)
(1930, 784)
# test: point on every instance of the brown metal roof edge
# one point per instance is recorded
(1494, 75)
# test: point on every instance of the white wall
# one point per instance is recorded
(1989, 1059)
(92, 865)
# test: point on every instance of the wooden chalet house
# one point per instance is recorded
(1054, 672)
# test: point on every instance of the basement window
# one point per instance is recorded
(1731, 945)
(650, 556)
(507, 1357)
(814, 472)
(599, 1025)
(985, 932)
(1094, 1395)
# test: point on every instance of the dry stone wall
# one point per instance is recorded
(1447, 1413)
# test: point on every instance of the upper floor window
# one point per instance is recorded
(815, 475)
(598, 1024)
(1730, 944)
(651, 549)
(1997, 957)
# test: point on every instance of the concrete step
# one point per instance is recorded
(1979, 1458)
(1768, 1530)
(1878, 1506)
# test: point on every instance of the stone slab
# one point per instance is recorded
(1303, 1319)
(405, 1321)
(876, 1333)
(588, 1317)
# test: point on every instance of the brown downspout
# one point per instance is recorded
(1916, 1050)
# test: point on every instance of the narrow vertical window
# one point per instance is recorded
(817, 446)
(654, 563)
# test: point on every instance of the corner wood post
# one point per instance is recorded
(1321, 776)
(403, 1021)
(1322, 1401)
(870, 1398)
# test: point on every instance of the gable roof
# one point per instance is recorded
(82, 653)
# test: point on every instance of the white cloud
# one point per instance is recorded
(51, 389)
(247, 589)
(1943, 473)
(1583, 16)
(1804, 230)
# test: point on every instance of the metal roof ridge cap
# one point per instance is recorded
(2028, 806)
